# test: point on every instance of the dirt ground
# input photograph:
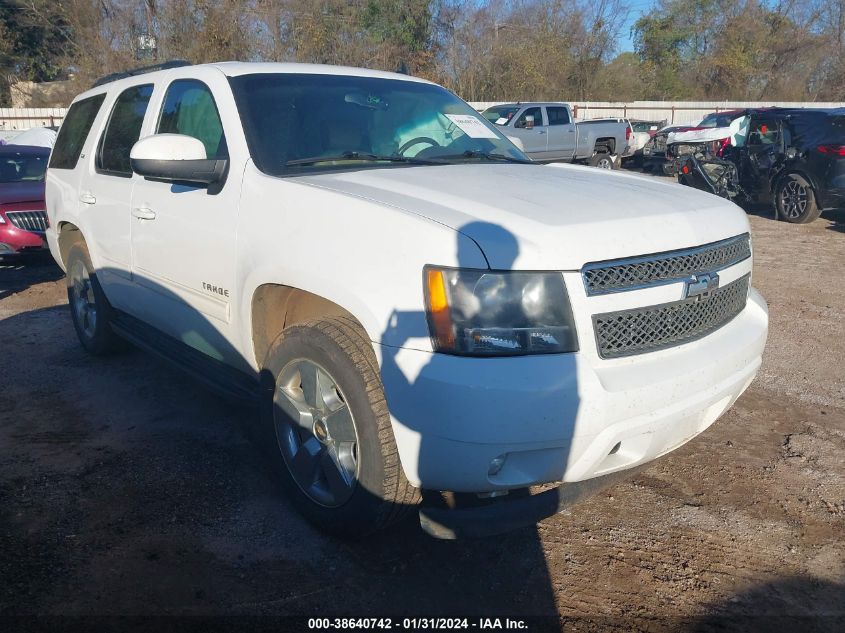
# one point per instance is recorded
(128, 489)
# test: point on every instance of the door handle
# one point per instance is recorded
(87, 198)
(143, 213)
(542, 131)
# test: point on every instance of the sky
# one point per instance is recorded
(638, 7)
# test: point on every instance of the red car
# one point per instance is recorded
(23, 218)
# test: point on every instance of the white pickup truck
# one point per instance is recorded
(412, 303)
(548, 132)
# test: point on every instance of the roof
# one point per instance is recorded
(533, 104)
(237, 69)
(804, 111)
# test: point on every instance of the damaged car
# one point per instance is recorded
(654, 155)
(715, 133)
(793, 158)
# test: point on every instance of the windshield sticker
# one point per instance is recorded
(502, 120)
(471, 126)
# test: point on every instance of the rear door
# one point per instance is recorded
(107, 190)
(561, 136)
(184, 236)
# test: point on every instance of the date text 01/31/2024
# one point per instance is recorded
(415, 624)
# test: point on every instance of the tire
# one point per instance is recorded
(795, 200)
(603, 160)
(339, 464)
(89, 309)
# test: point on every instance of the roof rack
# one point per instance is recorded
(173, 63)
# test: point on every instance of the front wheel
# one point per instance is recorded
(340, 465)
(796, 200)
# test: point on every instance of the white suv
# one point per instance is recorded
(414, 304)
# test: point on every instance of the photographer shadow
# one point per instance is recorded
(506, 573)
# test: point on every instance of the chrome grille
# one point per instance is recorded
(638, 272)
(35, 221)
(657, 327)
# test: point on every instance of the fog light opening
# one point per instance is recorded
(615, 449)
(496, 465)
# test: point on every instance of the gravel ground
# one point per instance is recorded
(127, 489)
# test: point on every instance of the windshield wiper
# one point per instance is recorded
(470, 153)
(362, 156)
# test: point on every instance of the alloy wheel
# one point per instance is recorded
(83, 300)
(316, 433)
(793, 198)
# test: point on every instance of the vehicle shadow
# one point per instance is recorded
(838, 220)
(19, 273)
(790, 604)
(167, 498)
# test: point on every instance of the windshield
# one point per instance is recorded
(301, 123)
(500, 115)
(23, 167)
(645, 126)
(718, 120)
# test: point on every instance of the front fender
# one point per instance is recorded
(365, 257)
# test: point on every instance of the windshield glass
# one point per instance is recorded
(300, 123)
(718, 120)
(23, 167)
(500, 115)
(645, 126)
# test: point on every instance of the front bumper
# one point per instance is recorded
(14, 241)
(561, 417)
(506, 514)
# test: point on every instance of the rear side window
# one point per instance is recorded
(557, 116)
(123, 130)
(74, 131)
(189, 109)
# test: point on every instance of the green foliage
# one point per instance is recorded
(482, 49)
(33, 40)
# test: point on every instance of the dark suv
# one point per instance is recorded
(793, 157)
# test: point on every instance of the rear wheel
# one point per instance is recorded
(603, 160)
(796, 200)
(340, 463)
(89, 308)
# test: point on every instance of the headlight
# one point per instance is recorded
(483, 313)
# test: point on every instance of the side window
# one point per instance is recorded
(74, 131)
(123, 130)
(557, 116)
(763, 132)
(535, 112)
(189, 109)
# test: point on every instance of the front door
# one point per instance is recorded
(529, 128)
(184, 236)
(763, 149)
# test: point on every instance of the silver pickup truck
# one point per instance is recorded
(548, 131)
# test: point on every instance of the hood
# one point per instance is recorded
(562, 216)
(13, 192)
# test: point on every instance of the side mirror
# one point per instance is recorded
(175, 158)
